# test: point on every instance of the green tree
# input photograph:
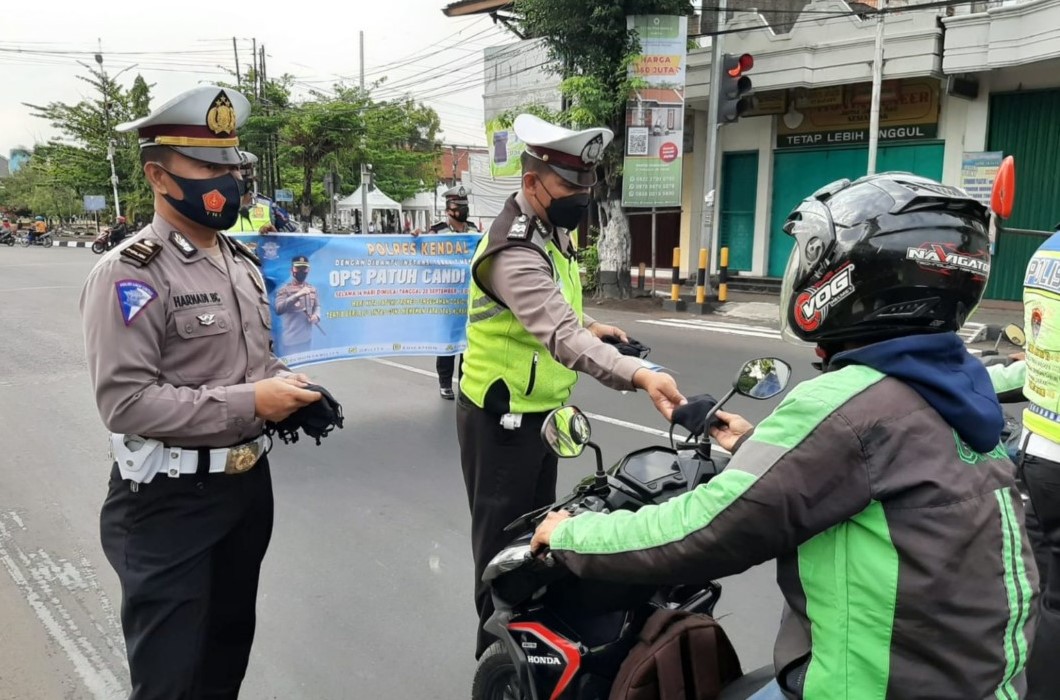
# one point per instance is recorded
(37, 189)
(592, 47)
(78, 159)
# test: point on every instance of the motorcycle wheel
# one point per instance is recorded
(24, 241)
(496, 677)
(98, 248)
(46, 241)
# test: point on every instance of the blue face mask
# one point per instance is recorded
(212, 203)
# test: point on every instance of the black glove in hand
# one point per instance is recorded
(316, 420)
(633, 348)
(693, 414)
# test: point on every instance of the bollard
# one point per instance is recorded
(675, 278)
(640, 277)
(701, 278)
(675, 303)
(723, 276)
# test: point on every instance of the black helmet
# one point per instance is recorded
(884, 256)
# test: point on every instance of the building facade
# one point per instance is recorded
(958, 89)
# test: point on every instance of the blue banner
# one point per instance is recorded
(344, 296)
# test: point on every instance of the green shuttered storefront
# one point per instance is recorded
(1025, 125)
(797, 174)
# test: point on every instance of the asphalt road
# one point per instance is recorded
(366, 590)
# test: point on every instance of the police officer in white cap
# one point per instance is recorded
(457, 211)
(528, 337)
(177, 335)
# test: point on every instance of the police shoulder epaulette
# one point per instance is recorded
(439, 227)
(241, 248)
(141, 253)
(522, 228)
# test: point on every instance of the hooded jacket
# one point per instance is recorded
(882, 491)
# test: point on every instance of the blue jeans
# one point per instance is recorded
(770, 692)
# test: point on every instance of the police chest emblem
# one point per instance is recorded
(206, 319)
(182, 244)
(222, 115)
(520, 230)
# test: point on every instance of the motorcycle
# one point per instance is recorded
(1013, 430)
(7, 237)
(41, 239)
(103, 242)
(561, 637)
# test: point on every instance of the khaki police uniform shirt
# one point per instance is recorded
(523, 280)
(182, 368)
(297, 328)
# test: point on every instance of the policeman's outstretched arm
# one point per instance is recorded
(523, 280)
(662, 388)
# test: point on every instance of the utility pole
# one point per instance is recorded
(365, 168)
(264, 102)
(235, 52)
(706, 233)
(107, 128)
(877, 88)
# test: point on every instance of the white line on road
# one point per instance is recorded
(407, 368)
(655, 432)
(715, 327)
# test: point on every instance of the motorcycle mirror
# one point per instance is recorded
(566, 432)
(763, 378)
(1003, 195)
(1015, 335)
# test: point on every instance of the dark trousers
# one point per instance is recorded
(445, 365)
(188, 552)
(507, 473)
(1042, 480)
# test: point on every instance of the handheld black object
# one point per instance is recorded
(316, 420)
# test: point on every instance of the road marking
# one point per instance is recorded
(655, 432)
(715, 327)
(407, 368)
(41, 579)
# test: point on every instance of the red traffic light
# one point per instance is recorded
(743, 64)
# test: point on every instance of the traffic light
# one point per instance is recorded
(735, 87)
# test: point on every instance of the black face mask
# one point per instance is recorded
(218, 212)
(460, 214)
(300, 275)
(566, 212)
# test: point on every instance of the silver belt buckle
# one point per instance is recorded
(243, 458)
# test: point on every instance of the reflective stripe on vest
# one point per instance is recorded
(499, 348)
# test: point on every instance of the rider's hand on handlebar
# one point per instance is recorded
(732, 429)
(543, 534)
(1018, 356)
(661, 388)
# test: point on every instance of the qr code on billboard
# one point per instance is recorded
(637, 141)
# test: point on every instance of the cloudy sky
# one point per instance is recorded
(179, 45)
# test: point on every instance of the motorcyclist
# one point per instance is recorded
(880, 487)
(118, 231)
(40, 227)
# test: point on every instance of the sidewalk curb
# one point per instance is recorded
(71, 244)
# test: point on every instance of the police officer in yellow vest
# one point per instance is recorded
(255, 212)
(1040, 466)
(528, 337)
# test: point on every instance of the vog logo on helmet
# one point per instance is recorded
(945, 258)
(812, 305)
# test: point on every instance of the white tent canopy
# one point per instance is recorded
(377, 201)
(423, 207)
